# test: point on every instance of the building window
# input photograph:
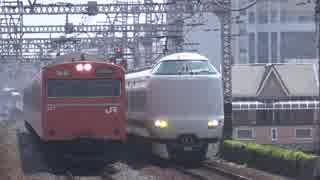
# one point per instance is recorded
(283, 11)
(252, 17)
(290, 50)
(243, 42)
(252, 48)
(302, 117)
(264, 117)
(243, 57)
(274, 47)
(294, 117)
(277, 116)
(303, 133)
(263, 17)
(243, 50)
(242, 29)
(245, 134)
(263, 47)
(262, 9)
(274, 134)
(244, 117)
(283, 16)
(274, 11)
(274, 16)
(303, 19)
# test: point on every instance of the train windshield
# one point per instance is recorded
(179, 67)
(83, 88)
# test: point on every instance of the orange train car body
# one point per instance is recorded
(77, 100)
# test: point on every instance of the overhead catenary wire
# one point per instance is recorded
(218, 3)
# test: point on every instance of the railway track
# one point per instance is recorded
(224, 172)
(207, 171)
(202, 171)
(70, 176)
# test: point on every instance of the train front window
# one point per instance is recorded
(83, 88)
(183, 67)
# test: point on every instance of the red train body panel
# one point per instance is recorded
(67, 102)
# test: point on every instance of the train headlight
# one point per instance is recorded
(79, 67)
(161, 124)
(213, 124)
(87, 67)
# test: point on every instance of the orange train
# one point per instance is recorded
(77, 103)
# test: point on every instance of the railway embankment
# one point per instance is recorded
(10, 165)
(255, 159)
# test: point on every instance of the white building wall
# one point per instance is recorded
(268, 25)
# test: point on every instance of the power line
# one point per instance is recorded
(240, 9)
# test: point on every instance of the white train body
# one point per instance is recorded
(180, 113)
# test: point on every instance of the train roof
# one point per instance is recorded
(64, 63)
(184, 56)
(76, 57)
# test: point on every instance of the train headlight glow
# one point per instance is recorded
(87, 67)
(161, 124)
(59, 73)
(213, 123)
(79, 67)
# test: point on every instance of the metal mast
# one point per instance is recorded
(317, 24)
(10, 42)
(147, 34)
(225, 21)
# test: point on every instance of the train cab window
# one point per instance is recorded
(180, 67)
(83, 88)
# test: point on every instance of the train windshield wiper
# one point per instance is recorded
(203, 71)
(189, 69)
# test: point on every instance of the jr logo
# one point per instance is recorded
(111, 109)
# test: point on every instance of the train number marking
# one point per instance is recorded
(110, 110)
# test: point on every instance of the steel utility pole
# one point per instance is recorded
(317, 23)
(227, 60)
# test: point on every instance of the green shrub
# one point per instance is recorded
(268, 158)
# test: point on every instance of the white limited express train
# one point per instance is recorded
(177, 106)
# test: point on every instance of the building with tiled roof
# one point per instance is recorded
(276, 104)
